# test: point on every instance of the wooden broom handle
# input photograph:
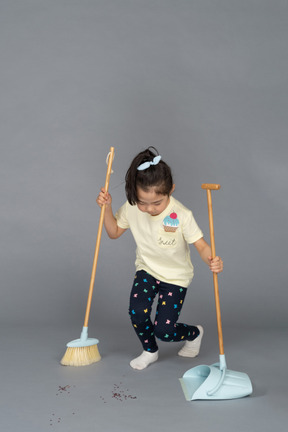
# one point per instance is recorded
(97, 247)
(208, 188)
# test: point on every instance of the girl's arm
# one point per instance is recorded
(110, 222)
(204, 250)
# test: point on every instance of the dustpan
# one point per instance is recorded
(215, 381)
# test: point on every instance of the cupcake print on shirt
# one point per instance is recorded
(171, 222)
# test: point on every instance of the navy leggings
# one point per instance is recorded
(170, 302)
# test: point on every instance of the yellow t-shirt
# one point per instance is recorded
(163, 241)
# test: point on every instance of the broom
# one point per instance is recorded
(84, 351)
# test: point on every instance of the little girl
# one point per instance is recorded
(163, 229)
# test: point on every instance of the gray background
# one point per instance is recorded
(206, 83)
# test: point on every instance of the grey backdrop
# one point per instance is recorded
(203, 81)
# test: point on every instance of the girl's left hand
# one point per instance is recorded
(216, 264)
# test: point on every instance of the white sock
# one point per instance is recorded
(192, 348)
(144, 360)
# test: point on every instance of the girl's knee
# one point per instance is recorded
(138, 316)
(163, 334)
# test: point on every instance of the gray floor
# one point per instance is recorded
(38, 394)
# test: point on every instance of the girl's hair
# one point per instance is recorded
(158, 176)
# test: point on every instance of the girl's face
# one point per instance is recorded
(151, 202)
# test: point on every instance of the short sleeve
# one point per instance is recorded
(121, 217)
(191, 230)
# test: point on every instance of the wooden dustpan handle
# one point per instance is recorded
(97, 247)
(208, 188)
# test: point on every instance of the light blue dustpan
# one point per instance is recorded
(215, 381)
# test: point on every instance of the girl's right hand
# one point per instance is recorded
(104, 198)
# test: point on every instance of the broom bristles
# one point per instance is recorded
(81, 356)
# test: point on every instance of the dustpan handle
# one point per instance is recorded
(208, 188)
(97, 247)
